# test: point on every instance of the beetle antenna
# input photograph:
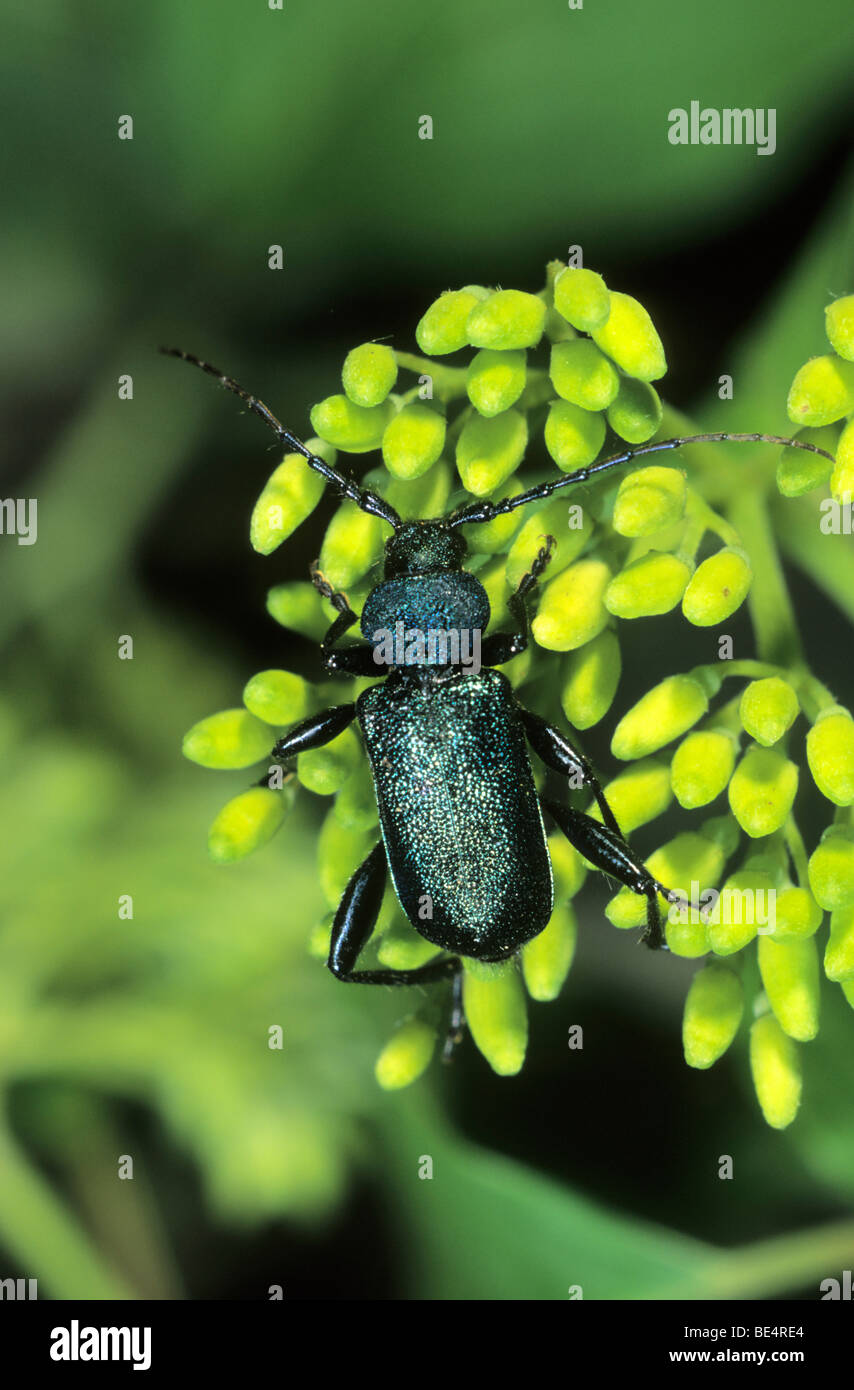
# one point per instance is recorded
(485, 511)
(366, 500)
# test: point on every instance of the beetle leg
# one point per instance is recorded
(457, 1020)
(609, 851)
(558, 753)
(355, 660)
(503, 646)
(355, 920)
(314, 732)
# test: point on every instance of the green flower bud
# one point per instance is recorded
(278, 697)
(687, 860)
(497, 1016)
(325, 770)
(401, 948)
(713, 1010)
(355, 428)
(723, 831)
(291, 494)
(797, 914)
(413, 440)
(488, 451)
(822, 391)
(776, 1070)
(568, 867)
(233, 738)
(839, 323)
(702, 765)
(831, 868)
(418, 498)
(507, 320)
(572, 610)
(493, 537)
(830, 754)
(662, 714)
(491, 576)
(743, 907)
(650, 585)
(589, 679)
(629, 337)
(799, 471)
(842, 477)
(353, 543)
(636, 413)
(296, 605)
(637, 795)
(369, 373)
(839, 952)
(496, 380)
(581, 297)
(762, 790)
(648, 500)
(847, 987)
(247, 822)
(356, 803)
(767, 709)
(573, 436)
(572, 527)
(406, 1055)
(789, 971)
(546, 960)
(717, 588)
(320, 938)
(443, 327)
(339, 854)
(582, 374)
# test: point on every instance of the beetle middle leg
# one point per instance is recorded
(558, 753)
(609, 851)
(503, 646)
(355, 921)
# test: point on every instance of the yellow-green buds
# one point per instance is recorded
(831, 868)
(369, 373)
(789, 971)
(582, 374)
(662, 714)
(339, 853)
(799, 471)
(629, 337)
(745, 904)
(776, 1070)
(702, 766)
(495, 380)
(713, 1010)
(246, 822)
(401, 948)
(637, 795)
(839, 952)
(839, 325)
(568, 867)
(822, 391)
(589, 680)
(762, 790)
(297, 605)
(717, 587)
(413, 440)
(652, 584)
(581, 297)
(443, 327)
(325, 770)
(353, 542)
(356, 428)
(842, 477)
(572, 610)
(508, 319)
(546, 959)
(278, 697)
(648, 500)
(493, 537)
(768, 708)
(233, 738)
(688, 859)
(573, 436)
(356, 803)
(830, 754)
(489, 450)
(406, 1055)
(496, 1013)
(636, 412)
(291, 494)
(796, 914)
(416, 498)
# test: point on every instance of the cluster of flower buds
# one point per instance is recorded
(544, 377)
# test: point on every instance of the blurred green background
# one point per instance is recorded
(148, 1037)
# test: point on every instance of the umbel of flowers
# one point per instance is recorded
(504, 376)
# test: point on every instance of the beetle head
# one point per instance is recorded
(423, 547)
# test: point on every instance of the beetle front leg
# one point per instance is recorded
(503, 646)
(355, 921)
(609, 851)
(355, 660)
(558, 753)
